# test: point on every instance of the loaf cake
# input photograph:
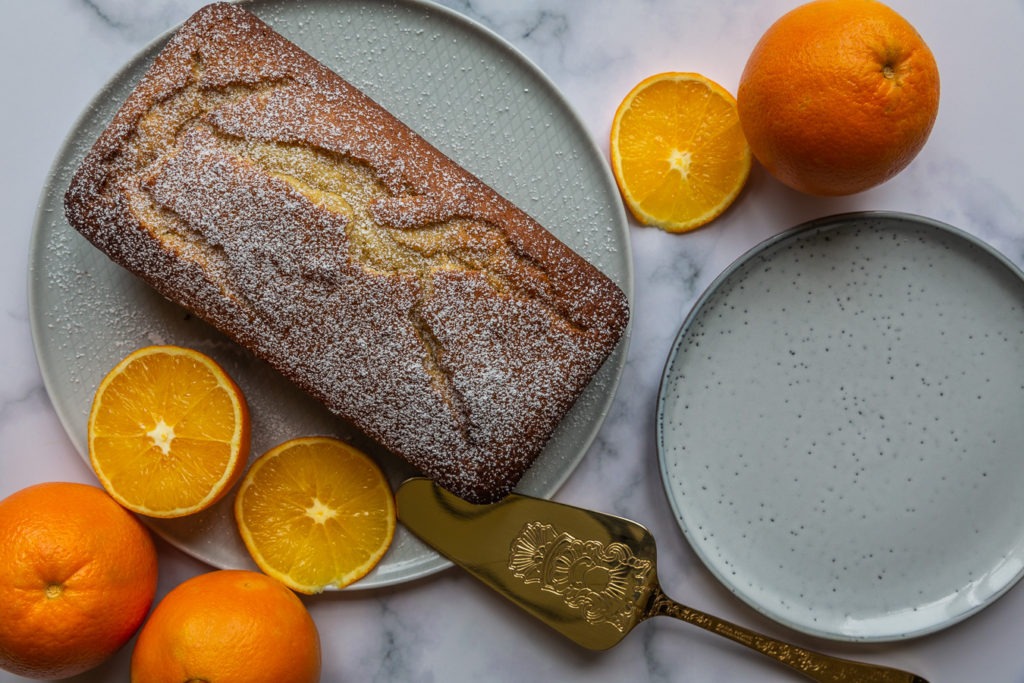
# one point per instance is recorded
(248, 183)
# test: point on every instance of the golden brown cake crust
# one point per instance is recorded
(245, 181)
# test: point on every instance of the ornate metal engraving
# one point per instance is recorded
(604, 582)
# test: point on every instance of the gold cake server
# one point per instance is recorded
(589, 575)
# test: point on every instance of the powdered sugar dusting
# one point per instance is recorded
(250, 184)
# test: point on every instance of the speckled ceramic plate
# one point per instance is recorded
(840, 427)
(461, 87)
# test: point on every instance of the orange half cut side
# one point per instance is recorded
(315, 512)
(168, 432)
(678, 152)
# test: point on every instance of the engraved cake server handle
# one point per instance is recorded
(814, 665)
(589, 575)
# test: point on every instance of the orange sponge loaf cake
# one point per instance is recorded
(245, 181)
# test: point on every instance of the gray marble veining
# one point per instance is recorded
(447, 628)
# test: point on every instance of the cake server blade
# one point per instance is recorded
(589, 575)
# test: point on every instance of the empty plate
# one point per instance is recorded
(840, 426)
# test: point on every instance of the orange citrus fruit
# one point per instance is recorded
(168, 432)
(838, 96)
(228, 626)
(678, 152)
(315, 512)
(77, 576)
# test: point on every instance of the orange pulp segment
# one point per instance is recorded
(168, 432)
(315, 512)
(678, 152)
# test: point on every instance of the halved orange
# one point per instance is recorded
(168, 432)
(677, 150)
(315, 512)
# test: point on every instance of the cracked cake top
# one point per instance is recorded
(247, 182)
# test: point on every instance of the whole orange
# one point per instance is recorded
(77, 576)
(228, 626)
(838, 96)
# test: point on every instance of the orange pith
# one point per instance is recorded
(77, 576)
(677, 151)
(168, 432)
(228, 626)
(315, 512)
(838, 96)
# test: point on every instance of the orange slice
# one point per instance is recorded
(678, 153)
(168, 432)
(315, 512)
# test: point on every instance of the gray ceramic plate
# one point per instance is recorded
(840, 426)
(460, 86)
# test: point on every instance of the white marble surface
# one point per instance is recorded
(58, 53)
